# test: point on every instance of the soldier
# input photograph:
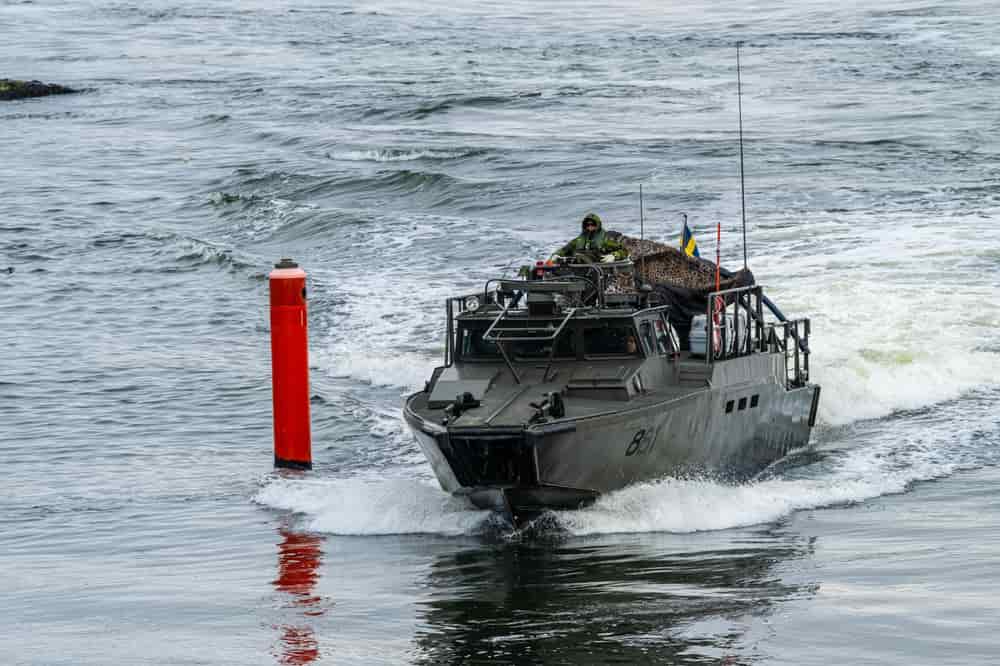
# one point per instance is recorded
(630, 345)
(593, 244)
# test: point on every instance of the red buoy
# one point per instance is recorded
(290, 366)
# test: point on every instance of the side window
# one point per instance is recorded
(666, 338)
(473, 345)
(648, 340)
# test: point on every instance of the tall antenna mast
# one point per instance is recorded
(642, 234)
(743, 194)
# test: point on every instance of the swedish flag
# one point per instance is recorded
(688, 243)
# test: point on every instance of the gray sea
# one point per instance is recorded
(403, 151)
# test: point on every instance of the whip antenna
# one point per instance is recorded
(743, 195)
(684, 218)
(642, 234)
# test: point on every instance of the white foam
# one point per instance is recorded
(396, 155)
(915, 451)
(382, 344)
(390, 324)
(358, 506)
(678, 505)
(897, 324)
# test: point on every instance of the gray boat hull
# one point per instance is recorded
(743, 420)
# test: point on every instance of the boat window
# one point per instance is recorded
(565, 348)
(648, 339)
(612, 340)
(742, 405)
(753, 400)
(729, 406)
(474, 347)
(666, 336)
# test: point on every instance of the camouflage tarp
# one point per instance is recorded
(681, 281)
(661, 264)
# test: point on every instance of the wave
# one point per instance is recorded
(257, 189)
(388, 327)
(408, 180)
(448, 103)
(887, 142)
(873, 383)
(402, 155)
(681, 506)
(862, 35)
(898, 321)
(125, 238)
(372, 507)
(193, 253)
(177, 253)
(226, 198)
(876, 351)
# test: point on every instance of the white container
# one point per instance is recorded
(697, 338)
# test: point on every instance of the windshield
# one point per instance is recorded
(611, 340)
(473, 346)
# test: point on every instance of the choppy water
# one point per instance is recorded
(404, 151)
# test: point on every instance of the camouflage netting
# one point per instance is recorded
(681, 281)
(661, 264)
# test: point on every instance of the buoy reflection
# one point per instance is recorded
(299, 558)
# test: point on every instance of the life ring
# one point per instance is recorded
(718, 307)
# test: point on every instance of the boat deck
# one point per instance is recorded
(509, 404)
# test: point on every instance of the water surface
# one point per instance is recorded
(402, 152)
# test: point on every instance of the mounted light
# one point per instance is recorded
(472, 303)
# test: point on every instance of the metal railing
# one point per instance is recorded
(496, 334)
(792, 338)
(582, 283)
(735, 327)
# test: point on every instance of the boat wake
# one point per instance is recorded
(359, 506)
(867, 460)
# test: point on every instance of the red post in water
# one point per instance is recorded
(290, 366)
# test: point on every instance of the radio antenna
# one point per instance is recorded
(642, 235)
(684, 219)
(743, 195)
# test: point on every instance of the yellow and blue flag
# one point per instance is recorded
(688, 243)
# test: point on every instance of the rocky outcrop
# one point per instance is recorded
(14, 89)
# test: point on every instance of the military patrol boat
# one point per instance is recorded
(573, 382)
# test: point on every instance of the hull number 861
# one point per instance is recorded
(641, 443)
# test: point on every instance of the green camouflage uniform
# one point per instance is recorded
(592, 245)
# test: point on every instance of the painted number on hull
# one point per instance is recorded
(640, 444)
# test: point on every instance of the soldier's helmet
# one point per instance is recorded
(590, 218)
